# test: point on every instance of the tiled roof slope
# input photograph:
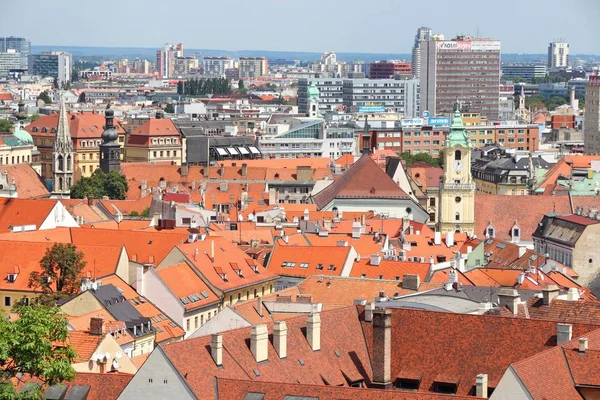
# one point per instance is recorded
(83, 125)
(364, 179)
(308, 260)
(19, 212)
(102, 386)
(28, 182)
(183, 282)
(527, 211)
(84, 344)
(452, 352)
(340, 330)
(239, 389)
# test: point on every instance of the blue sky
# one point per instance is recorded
(370, 26)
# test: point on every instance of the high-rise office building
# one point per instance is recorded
(463, 69)
(591, 123)
(253, 67)
(216, 65)
(9, 60)
(558, 55)
(165, 59)
(390, 70)
(55, 64)
(423, 34)
(19, 45)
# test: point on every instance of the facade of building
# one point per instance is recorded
(62, 156)
(464, 69)
(216, 65)
(19, 45)
(558, 55)
(56, 64)
(591, 124)
(524, 71)
(401, 96)
(14, 150)
(457, 189)
(390, 69)
(253, 67)
(165, 59)
(9, 60)
(156, 140)
(330, 94)
(423, 35)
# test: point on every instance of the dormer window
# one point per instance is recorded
(446, 384)
(44, 130)
(11, 278)
(490, 231)
(515, 232)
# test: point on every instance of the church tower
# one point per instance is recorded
(457, 189)
(313, 101)
(62, 166)
(110, 150)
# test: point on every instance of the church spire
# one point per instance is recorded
(63, 142)
(457, 134)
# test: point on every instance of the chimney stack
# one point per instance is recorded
(280, 338)
(411, 282)
(97, 326)
(437, 238)
(549, 293)
(216, 348)
(382, 348)
(369, 308)
(573, 294)
(259, 342)
(244, 170)
(481, 386)
(449, 238)
(583, 345)
(259, 306)
(510, 298)
(222, 170)
(564, 333)
(313, 331)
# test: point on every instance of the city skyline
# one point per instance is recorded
(247, 26)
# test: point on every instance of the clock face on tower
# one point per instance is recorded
(458, 165)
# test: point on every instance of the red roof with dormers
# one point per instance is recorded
(84, 125)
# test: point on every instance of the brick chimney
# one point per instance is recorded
(303, 173)
(369, 308)
(216, 348)
(97, 326)
(280, 338)
(508, 297)
(313, 331)
(411, 282)
(244, 170)
(382, 348)
(259, 342)
(549, 293)
(564, 333)
(481, 386)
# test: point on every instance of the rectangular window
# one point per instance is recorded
(187, 324)
(7, 301)
(196, 322)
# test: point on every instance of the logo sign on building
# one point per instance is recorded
(439, 121)
(451, 45)
(411, 121)
(485, 45)
(425, 114)
(371, 109)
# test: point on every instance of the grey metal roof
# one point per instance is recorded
(254, 396)
(121, 309)
(198, 146)
(78, 393)
(56, 392)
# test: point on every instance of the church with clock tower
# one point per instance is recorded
(457, 189)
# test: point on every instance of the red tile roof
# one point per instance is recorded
(83, 125)
(156, 127)
(183, 282)
(102, 386)
(391, 270)
(364, 179)
(19, 212)
(29, 184)
(308, 260)
(84, 344)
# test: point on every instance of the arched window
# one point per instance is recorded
(60, 183)
(457, 155)
(69, 164)
(314, 108)
(61, 165)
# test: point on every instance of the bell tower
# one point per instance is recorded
(62, 156)
(457, 189)
(110, 150)
(313, 100)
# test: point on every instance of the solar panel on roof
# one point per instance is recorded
(78, 392)
(205, 294)
(185, 300)
(254, 396)
(56, 392)
(172, 324)
(501, 245)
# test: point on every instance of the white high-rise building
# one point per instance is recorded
(558, 55)
(423, 34)
(216, 65)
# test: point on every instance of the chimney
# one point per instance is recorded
(508, 297)
(259, 342)
(96, 326)
(223, 186)
(375, 260)
(449, 238)
(212, 250)
(313, 331)
(303, 173)
(573, 294)
(90, 201)
(244, 170)
(549, 293)
(382, 348)
(259, 307)
(369, 308)
(481, 386)
(306, 214)
(216, 348)
(405, 223)
(280, 338)
(363, 220)
(184, 170)
(437, 238)
(139, 279)
(411, 230)
(411, 282)
(356, 228)
(564, 333)
(583, 345)
(272, 197)
(222, 170)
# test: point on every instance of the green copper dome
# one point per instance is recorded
(457, 134)
(23, 135)
(313, 91)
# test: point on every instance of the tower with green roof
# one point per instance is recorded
(313, 95)
(457, 190)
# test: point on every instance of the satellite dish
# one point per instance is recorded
(115, 365)
(250, 217)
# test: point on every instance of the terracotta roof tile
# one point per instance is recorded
(29, 183)
(390, 270)
(84, 344)
(19, 212)
(102, 386)
(183, 282)
(308, 260)
(83, 125)
(156, 127)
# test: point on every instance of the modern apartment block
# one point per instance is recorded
(423, 34)
(558, 55)
(390, 69)
(19, 45)
(464, 69)
(525, 71)
(591, 123)
(9, 60)
(217, 65)
(401, 96)
(253, 67)
(56, 64)
(165, 59)
(330, 94)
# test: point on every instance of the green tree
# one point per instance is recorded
(34, 117)
(146, 212)
(34, 345)
(5, 126)
(114, 185)
(241, 85)
(169, 109)
(60, 273)
(45, 97)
